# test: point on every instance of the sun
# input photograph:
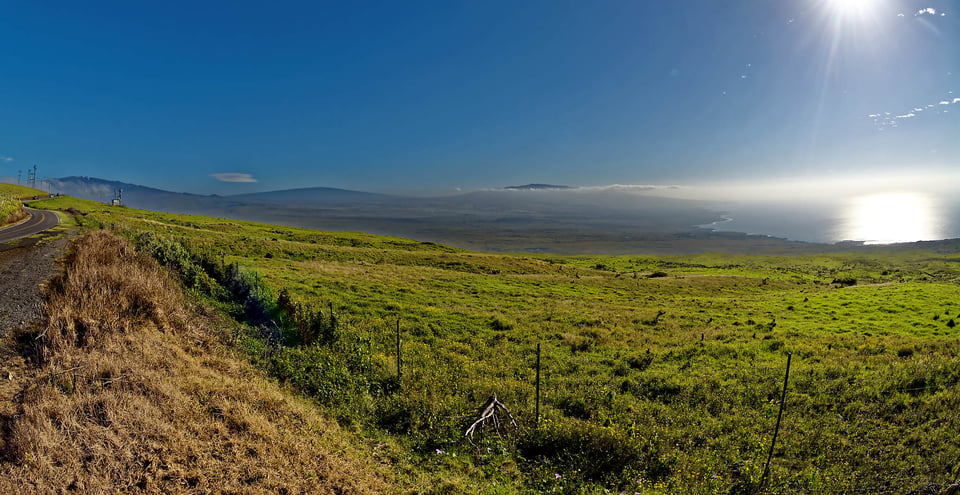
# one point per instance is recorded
(892, 217)
(850, 5)
(852, 9)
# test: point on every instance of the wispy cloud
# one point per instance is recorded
(929, 11)
(82, 189)
(626, 187)
(604, 188)
(884, 120)
(233, 177)
(6, 159)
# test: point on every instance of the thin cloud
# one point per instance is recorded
(884, 120)
(926, 11)
(233, 177)
(6, 159)
(626, 187)
(586, 189)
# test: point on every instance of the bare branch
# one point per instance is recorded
(488, 414)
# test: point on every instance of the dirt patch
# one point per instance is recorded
(24, 266)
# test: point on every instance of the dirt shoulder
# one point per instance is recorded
(25, 265)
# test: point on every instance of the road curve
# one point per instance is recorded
(39, 221)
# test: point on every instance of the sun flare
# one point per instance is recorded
(892, 217)
(851, 8)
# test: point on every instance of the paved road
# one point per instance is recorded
(39, 221)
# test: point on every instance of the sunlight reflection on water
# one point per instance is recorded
(891, 217)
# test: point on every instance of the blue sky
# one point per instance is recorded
(427, 97)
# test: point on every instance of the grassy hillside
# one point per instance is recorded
(19, 191)
(659, 374)
(124, 388)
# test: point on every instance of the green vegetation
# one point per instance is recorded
(659, 374)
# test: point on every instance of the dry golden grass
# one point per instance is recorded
(128, 391)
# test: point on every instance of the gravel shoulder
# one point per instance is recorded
(25, 264)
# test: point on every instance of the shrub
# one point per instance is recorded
(640, 362)
(500, 324)
(597, 453)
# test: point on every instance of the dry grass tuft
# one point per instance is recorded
(131, 392)
(108, 290)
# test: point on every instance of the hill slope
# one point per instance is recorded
(19, 191)
(127, 389)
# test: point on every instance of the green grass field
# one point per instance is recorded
(659, 374)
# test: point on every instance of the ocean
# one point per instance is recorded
(883, 218)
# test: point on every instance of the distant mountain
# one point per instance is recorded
(534, 187)
(133, 195)
(313, 196)
(137, 196)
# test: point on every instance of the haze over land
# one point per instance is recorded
(607, 219)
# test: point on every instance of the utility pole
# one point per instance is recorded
(19, 177)
(33, 176)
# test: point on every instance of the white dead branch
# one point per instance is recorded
(489, 415)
